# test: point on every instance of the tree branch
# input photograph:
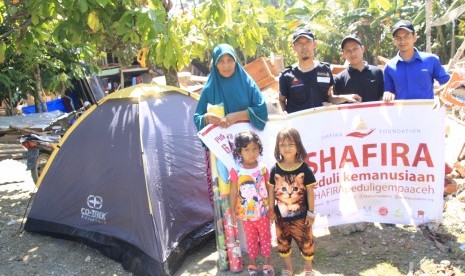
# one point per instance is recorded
(25, 25)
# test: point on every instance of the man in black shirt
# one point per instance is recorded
(360, 82)
(305, 84)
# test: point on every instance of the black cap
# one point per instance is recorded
(405, 25)
(303, 32)
(350, 37)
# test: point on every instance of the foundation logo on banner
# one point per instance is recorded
(359, 128)
(367, 211)
(383, 211)
(92, 213)
(420, 214)
(399, 213)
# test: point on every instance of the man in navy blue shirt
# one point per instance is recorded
(307, 83)
(411, 73)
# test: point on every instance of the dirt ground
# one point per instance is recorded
(377, 250)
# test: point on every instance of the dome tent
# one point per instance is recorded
(129, 179)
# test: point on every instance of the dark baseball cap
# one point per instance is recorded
(350, 37)
(403, 24)
(302, 32)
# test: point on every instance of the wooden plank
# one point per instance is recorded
(260, 72)
(11, 156)
(200, 79)
(12, 151)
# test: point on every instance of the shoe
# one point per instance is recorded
(268, 270)
(252, 270)
(309, 273)
(286, 272)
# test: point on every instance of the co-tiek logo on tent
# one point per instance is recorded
(95, 203)
(359, 129)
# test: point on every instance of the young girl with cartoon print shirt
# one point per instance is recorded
(291, 194)
(249, 199)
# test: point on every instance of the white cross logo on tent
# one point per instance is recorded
(94, 202)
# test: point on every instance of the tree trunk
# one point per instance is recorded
(452, 43)
(168, 5)
(121, 77)
(429, 9)
(39, 99)
(171, 76)
(441, 39)
(10, 108)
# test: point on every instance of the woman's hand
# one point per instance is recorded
(211, 118)
(227, 121)
(233, 218)
(231, 118)
(235, 117)
(224, 123)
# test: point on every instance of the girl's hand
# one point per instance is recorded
(309, 221)
(271, 215)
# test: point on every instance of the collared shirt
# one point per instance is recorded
(304, 90)
(414, 79)
(367, 83)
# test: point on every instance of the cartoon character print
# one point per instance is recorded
(262, 191)
(237, 249)
(253, 195)
(249, 196)
(290, 194)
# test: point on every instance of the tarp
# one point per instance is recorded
(36, 121)
(53, 105)
(129, 179)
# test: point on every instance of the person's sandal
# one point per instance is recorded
(268, 270)
(286, 272)
(252, 270)
(309, 273)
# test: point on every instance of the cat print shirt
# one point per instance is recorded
(290, 188)
(252, 200)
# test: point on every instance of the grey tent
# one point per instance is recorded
(129, 179)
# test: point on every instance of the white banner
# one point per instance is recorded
(374, 162)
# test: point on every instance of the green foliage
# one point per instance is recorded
(372, 20)
(93, 21)
(62, 36)
(40, 33)
(2, 51)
